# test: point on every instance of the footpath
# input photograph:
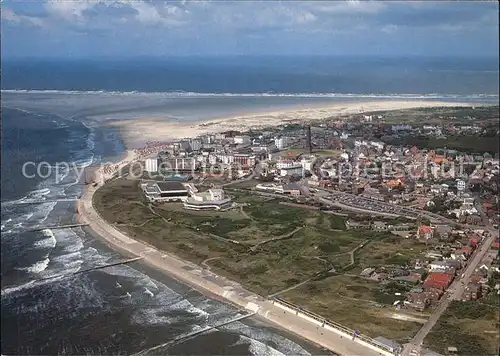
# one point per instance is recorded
(288, 317)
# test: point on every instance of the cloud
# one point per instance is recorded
(9, 16)
(193, 24)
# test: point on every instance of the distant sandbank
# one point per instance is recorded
(135, 132)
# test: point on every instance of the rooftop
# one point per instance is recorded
(171, 186)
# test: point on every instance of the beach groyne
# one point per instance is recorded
(285, 315)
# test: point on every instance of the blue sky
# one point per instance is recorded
(126, 28)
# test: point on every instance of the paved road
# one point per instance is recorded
(221, 287)
(455, 293)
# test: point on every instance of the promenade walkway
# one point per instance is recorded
(221, 287)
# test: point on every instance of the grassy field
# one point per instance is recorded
(278, 247)
(440, 115)
(470, 327)
(351, 302)
(258, 225)
(388, 249)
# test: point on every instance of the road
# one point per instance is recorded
(359, 203)
(456, 289)
(255, 172)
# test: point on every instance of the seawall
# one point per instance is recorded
(288, 317)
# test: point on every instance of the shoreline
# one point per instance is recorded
(206, 282)
(214, 286)
(136, 131)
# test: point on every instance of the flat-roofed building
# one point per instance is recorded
(213, 199)
(244, 159)
(187, 164)
(242, 140)
(291, 189)
(151, 165)
(165, 191)
(290, 171)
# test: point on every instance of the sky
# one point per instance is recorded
(130, 28)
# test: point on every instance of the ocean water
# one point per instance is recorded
(260, 74)
(46, 111)
(47, 309)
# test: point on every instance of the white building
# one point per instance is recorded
(270, 187)
(290, 171)
(196, 144)
(151, 165)
(226, 159)
(281, 142)
(213, 199)
(242, 140)
(307, 164)
(460, 185)
(165, 191)
(285, 164)
(179, 164)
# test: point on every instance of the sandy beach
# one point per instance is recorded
(207, 282)
(151, 129)
(220, 287)
(135, 132)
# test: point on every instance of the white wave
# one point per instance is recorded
(265, 94)
(74, 246)
(258, 348)
(190, 308)
(82, 163)
(148, 292)
(39, 193)
(259, 338)
(37, 267)
(68, 258)
(49, 242)
(118, 285)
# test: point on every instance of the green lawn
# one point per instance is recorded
(471, 327)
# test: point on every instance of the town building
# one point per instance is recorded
(244, 160)
(437, 281)
(213, 199)
(290, 171)
(281, 142)
(242, 140)
(151, 165)
(291, 189)
(187, 164)
(425, 232)
(165, 191)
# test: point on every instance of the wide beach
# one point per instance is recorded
(193, 275)
(142, 128)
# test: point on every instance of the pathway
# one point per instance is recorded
(282, 237)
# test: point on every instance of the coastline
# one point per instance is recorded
(135, 132)
(213, 285)
(204, 281)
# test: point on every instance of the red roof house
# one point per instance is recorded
(425, 232)
(438, 281)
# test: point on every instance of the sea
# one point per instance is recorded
(49, 114)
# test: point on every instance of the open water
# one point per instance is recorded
(129, 309)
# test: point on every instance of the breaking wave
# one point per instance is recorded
(266, 94)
